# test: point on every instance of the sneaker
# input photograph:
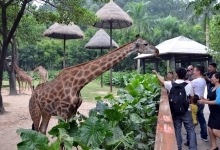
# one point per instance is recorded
(205, 140)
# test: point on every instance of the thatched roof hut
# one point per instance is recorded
(59, 31)
(65, 32)
(101, 40)
(111, 12)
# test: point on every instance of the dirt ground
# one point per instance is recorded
(17, 116)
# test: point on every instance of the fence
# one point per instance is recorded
(165, 135)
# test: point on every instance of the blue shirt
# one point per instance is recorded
(217, 100)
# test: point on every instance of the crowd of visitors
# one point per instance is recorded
(186, 89)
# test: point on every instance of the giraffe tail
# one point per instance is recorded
(35, 113)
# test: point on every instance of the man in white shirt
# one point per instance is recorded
(199, 85)
(185, 118)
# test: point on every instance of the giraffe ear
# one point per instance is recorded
(136, 44)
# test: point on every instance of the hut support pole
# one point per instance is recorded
(168, 66)
(143, 65)
(110, 50)
(64, 52)
(101, 75)
(210, 59)
(138, 65)
(190, 61)
(172, 62)
(156, 64)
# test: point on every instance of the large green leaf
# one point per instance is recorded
(113, 114)
(92, 132)
(117, 135)
(101, 106)
(55, 130)
(136, 118)
(65, 139)
(54, 146)
(31, 139)
(73, 128)
(109, 96)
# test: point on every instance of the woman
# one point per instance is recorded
(214, 106)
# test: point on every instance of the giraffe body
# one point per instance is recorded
(22, 76)
(43, 74)
(61, 96)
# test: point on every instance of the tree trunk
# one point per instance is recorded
(10, 69)
(207, 34)
(12, 83)
(2, 109)
(6, 36)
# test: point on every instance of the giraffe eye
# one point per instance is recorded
(145, 44)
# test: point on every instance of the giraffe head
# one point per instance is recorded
(143, 47)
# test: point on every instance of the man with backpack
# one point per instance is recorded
(179, 92)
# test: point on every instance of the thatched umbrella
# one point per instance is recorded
(112, 17)
(65, 32)
(100, 41)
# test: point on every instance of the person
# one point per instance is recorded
(213, 100)
(185, 118)
(211, 70)
(190, 72)
(199, 85)
(194, 110)
(170, 76)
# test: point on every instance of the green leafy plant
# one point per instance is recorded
(125, 122)
(119, 79)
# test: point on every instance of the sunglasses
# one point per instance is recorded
(189, 69)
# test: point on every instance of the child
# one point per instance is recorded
(194, 109)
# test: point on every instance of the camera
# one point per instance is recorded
(205, 74)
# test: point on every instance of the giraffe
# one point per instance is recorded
(61, 96)
(22, 76)
(43, 74)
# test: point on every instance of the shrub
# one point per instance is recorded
(125, 122)
(119, 79)
(5, 76)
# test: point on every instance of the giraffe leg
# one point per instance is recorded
(19, 87)
(44, 122)
(35, 113)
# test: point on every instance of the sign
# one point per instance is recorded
(166, 128)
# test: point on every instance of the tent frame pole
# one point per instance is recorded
(111, 50)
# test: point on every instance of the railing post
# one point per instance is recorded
(165, 134)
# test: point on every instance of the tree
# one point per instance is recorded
(138, 12)
(67, 11)
(214, 37)
(204, 14)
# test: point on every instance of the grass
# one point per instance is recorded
(93, 89)
(89, 92)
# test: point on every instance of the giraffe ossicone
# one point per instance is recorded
(61, 96)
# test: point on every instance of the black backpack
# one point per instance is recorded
(178, 99)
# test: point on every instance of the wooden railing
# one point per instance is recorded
(165, 135)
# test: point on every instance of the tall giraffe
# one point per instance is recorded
(43, 74)
(61, 96)
(22, 76)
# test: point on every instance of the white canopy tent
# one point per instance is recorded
(177, 50)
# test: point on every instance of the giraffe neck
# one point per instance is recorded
(82, 74)
(36, 69)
